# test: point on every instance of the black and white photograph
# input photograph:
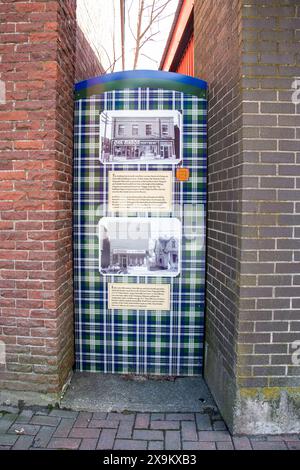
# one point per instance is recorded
(137, 137)
(131, 246)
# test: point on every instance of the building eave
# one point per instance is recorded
(180, 33)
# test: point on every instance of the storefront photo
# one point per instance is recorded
(140, 137)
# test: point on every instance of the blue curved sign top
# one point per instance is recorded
(141, 78)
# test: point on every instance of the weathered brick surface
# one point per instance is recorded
(83, 420)
(172, 440)
(107, 439)
(142, 420)
(188, 431)
(155, 445)
(37, 64)
(268, 284)
(64, 428)
(242, 443)
(121, 444)
(217, 60)
(64, 443)
(248, 51)
(87, 62)
(88, 444)
(65, 435)
(86, 433)
(23, 443)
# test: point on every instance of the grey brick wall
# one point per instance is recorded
(217, 60)
(269, 317)
(248, 51)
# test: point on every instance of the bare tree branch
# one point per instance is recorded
(138, 32)
(129, 23)
(145, 22)
(111, 67)
(150, 58)
(148, 38)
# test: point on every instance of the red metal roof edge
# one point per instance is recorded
(177, 13)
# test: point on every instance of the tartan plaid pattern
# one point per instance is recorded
(129, 341)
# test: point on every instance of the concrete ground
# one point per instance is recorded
(115, 412)
(107, 392)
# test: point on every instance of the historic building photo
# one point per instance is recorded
(140, 137)
(139, 246)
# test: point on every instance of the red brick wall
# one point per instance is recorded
(37, 50)
(87, 63)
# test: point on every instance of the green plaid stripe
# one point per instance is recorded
(140, 342)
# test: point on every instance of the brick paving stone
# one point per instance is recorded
(43, 412)
(219, 426)
(188, 431)
(293, 445)
(214, 436)
(155, 416)
(172, 441)
(64, 427)
(64, 443)
(88, 444)
(28, 429)
(104, 423)
(147, 435)
(23, 443)
(199, 445)
(107, 437)
(85, 433)
(25, 416)
(43, 437)
(241, 443)
(225, 446)
(142, 420)
(165, 425)
(7, 439)
(155, 445)
(125, 430)
(260, 445)
(83, 419)
(6, 422)
(203, 422)
(64, 414)
(114, 416)
(45, 420)
(132, 444)
(99, 415)
(180, 416)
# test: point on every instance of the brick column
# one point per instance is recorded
(248, 51)
(37, 48)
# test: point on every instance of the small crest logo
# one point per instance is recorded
(182, 174)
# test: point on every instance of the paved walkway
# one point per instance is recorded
(61, 429)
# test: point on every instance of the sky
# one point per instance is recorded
(100, 21)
